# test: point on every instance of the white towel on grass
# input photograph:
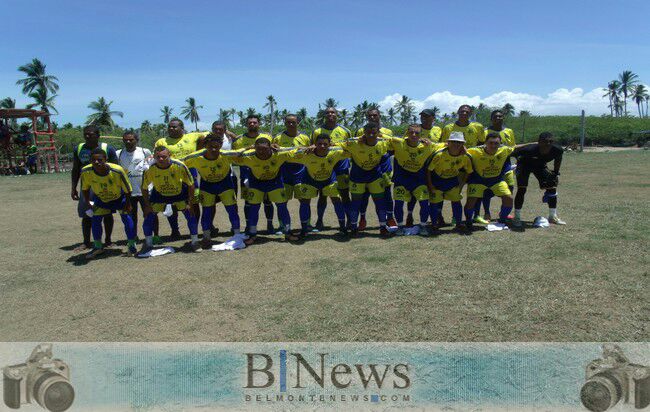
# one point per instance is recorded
(160, 251)
(234, 243)
(496, 227)
(412, 231)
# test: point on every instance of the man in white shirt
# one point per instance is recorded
(135, 160)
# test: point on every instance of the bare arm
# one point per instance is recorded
(76, 173)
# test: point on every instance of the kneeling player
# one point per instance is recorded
(448, 169)
(213, 167)
(265, 180)
(319, 176)
(111, 192)
(533, 159)
(172, 184)
(409, 175)
(366, 174)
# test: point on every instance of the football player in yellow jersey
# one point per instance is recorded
(111, 192)
(319, 176)
(172, 184)
(409, 175)
(337, 134)
(374, 115)
(366, 174)
(432, 133)
(472, 131)
(213, 167)
(448, 169)
(265, 180)
(508, 139)
(488, 163)
(291, 137)
(244, 141)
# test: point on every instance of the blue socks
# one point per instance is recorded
(457, 211)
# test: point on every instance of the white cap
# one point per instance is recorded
(456, 137)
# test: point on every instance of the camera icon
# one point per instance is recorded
(613, 378)
(41, 378)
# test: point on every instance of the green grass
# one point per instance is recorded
(587, 281)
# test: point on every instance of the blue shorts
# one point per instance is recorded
(443, 184)
(155, 197)
(265, 185)
(318, 184)
(485, 181)
(342, 167)
(410, 180)
(291, 173)
(114, 205)
(215, 188)
(386, 163)
(360, 175)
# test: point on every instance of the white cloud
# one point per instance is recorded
(560, 102)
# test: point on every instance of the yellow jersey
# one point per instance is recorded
(264, 169)
(338, 134)
(244, 141)
(489, 166)
(214, 170)
(284, 140)
(364, 156)
(473, 132)
(447, 166)
(107, 187)
(383, 132)
(411, 159)
(432, 134)
(507, 135)
(181, 147)
(168, 181)
(320, 168)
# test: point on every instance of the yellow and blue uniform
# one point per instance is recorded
(291, 172)
(488, 171)
(181, 147)
(243, 142)
(473, 132)
(337, 134)
(432, 134)
(409, 176)
(507, 139)
(366, 172)
(446, 171)
(216, 176)
(319, 173)
(264, 177)
(108, 191)
(170, 185)
(386, 164)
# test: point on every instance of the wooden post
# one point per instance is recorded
(582, 131)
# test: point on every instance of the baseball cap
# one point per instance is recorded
(428, 112)
(456, 137)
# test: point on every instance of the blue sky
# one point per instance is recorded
(547, 57)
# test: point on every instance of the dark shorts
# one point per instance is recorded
(545, 177)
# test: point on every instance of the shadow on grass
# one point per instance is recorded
(81, 260)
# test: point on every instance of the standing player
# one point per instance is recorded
(533, 159)
(111, 192)
(134, 160)
(244, 141)
(180, 144)
(448, 170)
(337, 134)
(319, 176)
(265, 181)
(409, 175)
(172, 184)
(213, 167)
(367, 174)
(374, 116)
(81, 158)
(291, 137)
(508, 139)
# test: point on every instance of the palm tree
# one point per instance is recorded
(302, 115)
(41, 98)
(524, 113)
(224, 116)
(271, 103)
(611, 93)
(191, 112)
(103, 116)
(330, 102)
(36, 78)
(436, 111)
(145, 127)
(628, 81)
(639, 94)
(405, 109)
(166, 113)
(508, 110)
(240, 116)
(7, 103)
(344, 116)
(647, 98)
(391, 116)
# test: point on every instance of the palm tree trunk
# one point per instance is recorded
(196, 126)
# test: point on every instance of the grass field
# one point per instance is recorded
(587, 281)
